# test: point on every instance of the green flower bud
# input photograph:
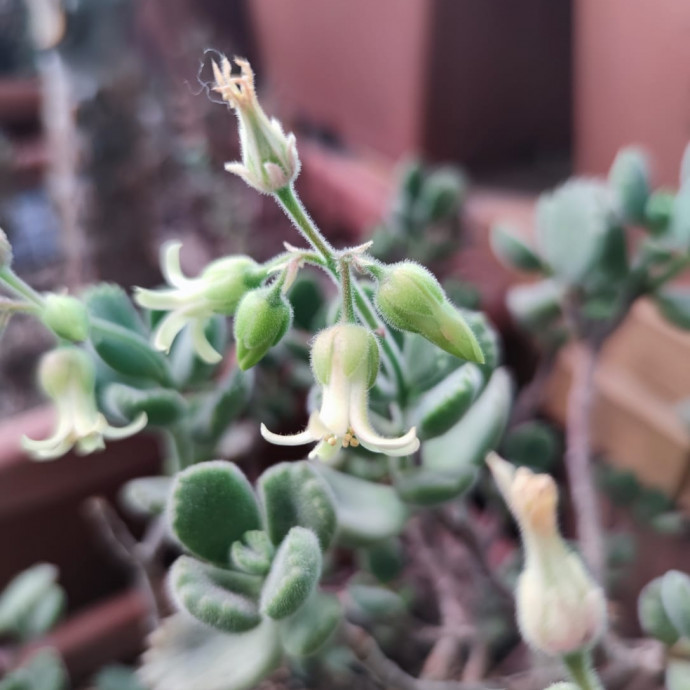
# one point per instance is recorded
(411, 299)
(66, 316)
(227, 282)
(5, 250)
(262, 319)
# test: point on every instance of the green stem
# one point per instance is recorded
(15, 284)
(295, 210)
(346, 290)
(582, 671)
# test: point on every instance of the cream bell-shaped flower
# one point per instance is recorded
(269, 157)
(67, 376)
(192, 301)
(345, 362)
(561, 610)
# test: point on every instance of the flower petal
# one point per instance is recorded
(201, 343)
(170, 265)
(168, 329)
(47, 449)
(299, 439)
(161, 300)
(134, 427)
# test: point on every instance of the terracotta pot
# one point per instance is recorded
(478, 81)
(632, 65)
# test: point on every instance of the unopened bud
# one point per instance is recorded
(66, 316)
(411, 299)
(560, 609)
(263, 317)
(228, 280)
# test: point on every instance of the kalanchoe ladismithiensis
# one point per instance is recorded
(269, 157)
(193, 301)
(345, 362)
(561, 610)
(67, 377)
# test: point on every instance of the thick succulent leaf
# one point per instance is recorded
(367, 512)
(488, 339)
(45, 613)
(652, 614)
(535, 305)
(679, 227)
(384, 560)
(146, 495)
(445, 404)
(425, 365)
(678, 674)
(513, 251)
(110, 303)
(675, 594)
(629, 179)
(212, 506)
(534, 444)
(220, 407)
(572, 224)
(43, 671)
(423, 487)
(253, 554)
(377, 603)
(674, 305)
(128, 352)
(162, 406)
(223, 599)
(24, 593)
(293, 494)
(294, 574)
(465, 445)
(117, 677)
(184, 654)
(306, 631)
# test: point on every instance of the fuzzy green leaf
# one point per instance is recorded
(128, 352)
(652, 614)
(254, 554)
(512, 251)
(293, 493)
(43, 671)
(572, 224)
(213, 505)
(146, 495)
(445, 404)
(161, 405)
(674, 305)
(306, 631)
(675, 594)
(220, 598)
(294, 574)
(679, 227)
(110, 303)
(117, 677)
(366, 512)
(23, 594)
(377, 603)
(465, 445)
(185, 655)
(423, 487)
(384, 560)
(629, 180)
(534, 444)
(536, 305)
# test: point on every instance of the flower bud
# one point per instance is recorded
(228, 280)
(262, 319)
(269, 157)
(66, 316)
(411, 299)
(560, 609)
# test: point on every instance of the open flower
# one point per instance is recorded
(269, 157)
(345, 361)
(193, 301)
(67, 376)
(560, 609)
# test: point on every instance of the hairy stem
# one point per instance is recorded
(582, 672)
(346, 289)
(578, 461)
(20, 288)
